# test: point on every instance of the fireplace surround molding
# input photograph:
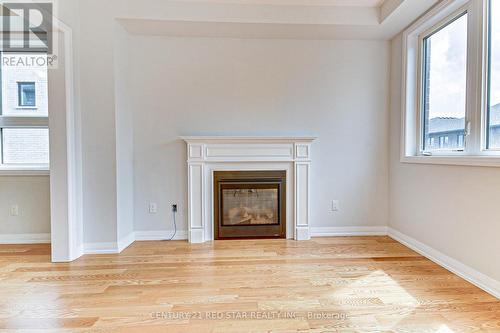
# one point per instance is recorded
(207, 154)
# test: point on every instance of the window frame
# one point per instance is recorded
(487, 78)
(422, 37)
(474, 152)
(14, 121)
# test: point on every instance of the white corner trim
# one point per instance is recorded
(126, 241)
(348, 231)
(468, 273)
(156, 235)
(25, 238)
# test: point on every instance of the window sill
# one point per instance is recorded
(464, 160)
(24, 171)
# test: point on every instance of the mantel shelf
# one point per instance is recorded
(247, 139)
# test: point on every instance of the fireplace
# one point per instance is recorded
(249, 204)
(210, 155)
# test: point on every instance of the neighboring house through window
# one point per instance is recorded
(26, 94)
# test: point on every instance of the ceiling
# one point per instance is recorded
(335, 3)
(276, 19)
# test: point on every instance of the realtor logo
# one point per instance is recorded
(26, 27)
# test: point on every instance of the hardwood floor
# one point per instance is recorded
(356, 284)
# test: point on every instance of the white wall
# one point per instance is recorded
(124, 139)
(336, 90)
(32, 196)
(453, 209)
(97, 104)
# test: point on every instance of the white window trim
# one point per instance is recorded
(475, 153)
(24, 170)
(26, 107)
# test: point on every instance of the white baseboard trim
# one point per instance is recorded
(24, 238)
(468, 273)
(78, 252)
(126, 241)
(100, 248)
(156, 235)
(122, 244)
(348, 231)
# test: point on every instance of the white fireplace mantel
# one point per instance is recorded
(206, 154)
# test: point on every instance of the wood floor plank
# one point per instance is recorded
(342, 284)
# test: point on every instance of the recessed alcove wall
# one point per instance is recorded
(336, 90)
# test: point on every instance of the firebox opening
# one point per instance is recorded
(250, 204)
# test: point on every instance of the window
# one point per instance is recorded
(444, 80)
(451, 85)
(26, 93)
(493, 135)
(24, 133)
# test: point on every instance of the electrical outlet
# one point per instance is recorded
(335, 206)
(174, 208)
(14, 210)
(153, 208)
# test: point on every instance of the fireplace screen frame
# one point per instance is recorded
(249, 179)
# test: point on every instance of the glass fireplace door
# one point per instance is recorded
(249, 204)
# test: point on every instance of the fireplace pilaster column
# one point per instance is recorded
(196, 194)
(302, 192)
